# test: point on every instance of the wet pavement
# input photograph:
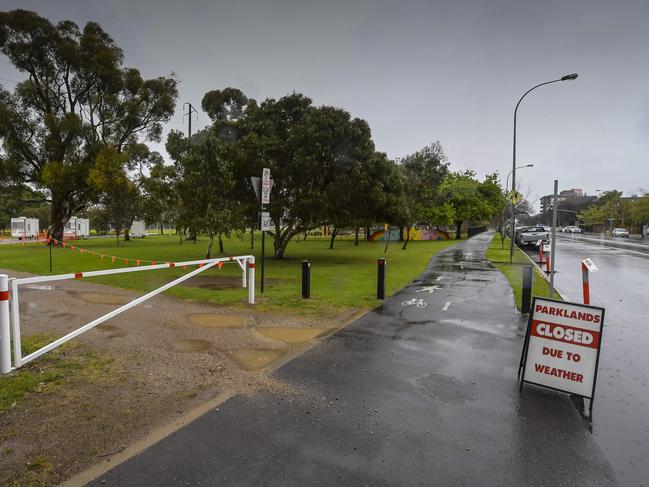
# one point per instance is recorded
(621, 413)
(420, 392)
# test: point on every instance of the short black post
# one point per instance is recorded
(380, 285)
(306, 279)
(527, 289)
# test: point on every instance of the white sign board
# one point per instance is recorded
(265, 221)
(562, 346)
(265, 186)
(590, 265)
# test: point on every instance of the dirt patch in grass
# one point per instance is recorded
(215, 283)
(89, 399)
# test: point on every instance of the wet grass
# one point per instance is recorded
(50, 371)
(499, 257)
(341, 279)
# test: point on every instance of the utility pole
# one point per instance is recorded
(553, 248)
(189, 117)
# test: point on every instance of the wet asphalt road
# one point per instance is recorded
(406, 395)
(621, 285)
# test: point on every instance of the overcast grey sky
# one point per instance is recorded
(417, 71)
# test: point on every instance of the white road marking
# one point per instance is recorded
(439, 278)
(428, 289)
(418, 302)
(446, 306)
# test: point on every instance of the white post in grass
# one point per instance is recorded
(251, 281)
(5, 343)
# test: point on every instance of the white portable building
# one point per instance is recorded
(23, 227)
(77, 228)
(138, 229)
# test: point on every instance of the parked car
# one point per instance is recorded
(572, 229)
(620, 232)
(531, 236)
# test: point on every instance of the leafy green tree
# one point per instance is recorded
(305, 148)
(77, 100)
(206, 185)
(593, 215)
(159, 194)
(465, 198)
(423, 172)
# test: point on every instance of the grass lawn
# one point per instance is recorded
(499, 257)
(341, 279)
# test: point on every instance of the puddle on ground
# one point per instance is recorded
(249, 359)
(213, 320)
(292, 335)
(103, 298)
(113, 331)
(191, 345)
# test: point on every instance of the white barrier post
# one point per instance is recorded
(5, 343)
(251, 281)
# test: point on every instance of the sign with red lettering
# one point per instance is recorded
(562, 346)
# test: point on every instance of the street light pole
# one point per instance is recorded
(567, 77)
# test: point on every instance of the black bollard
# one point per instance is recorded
(306, 279)
(527, 289)
(380, 285)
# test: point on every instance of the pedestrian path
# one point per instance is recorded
(420, 392)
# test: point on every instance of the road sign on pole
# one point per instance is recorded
(265, 186)
(514, 197)
(265, 225)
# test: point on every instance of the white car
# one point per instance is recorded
(572, 229)
(620, 232)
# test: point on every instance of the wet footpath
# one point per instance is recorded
(422, 391)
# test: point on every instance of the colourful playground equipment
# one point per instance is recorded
(415, 234)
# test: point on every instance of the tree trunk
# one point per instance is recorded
(162, 228)
(252, 238)
(401, 234)
(127, 235)
(221, 251)
(334, 232)
(367, 233)
(405, 244)
(59, 214)
(117, 236)
(306, 234)
(180, 234)
(458, 230)
(209, 246)
(356, 236)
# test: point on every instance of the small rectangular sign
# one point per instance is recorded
(265, 221)
(590, 265)
(265, 186)
(562, 346)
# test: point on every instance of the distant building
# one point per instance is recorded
(572, 199)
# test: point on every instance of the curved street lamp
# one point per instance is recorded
(567, 77)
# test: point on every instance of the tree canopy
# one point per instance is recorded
(79, 104)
